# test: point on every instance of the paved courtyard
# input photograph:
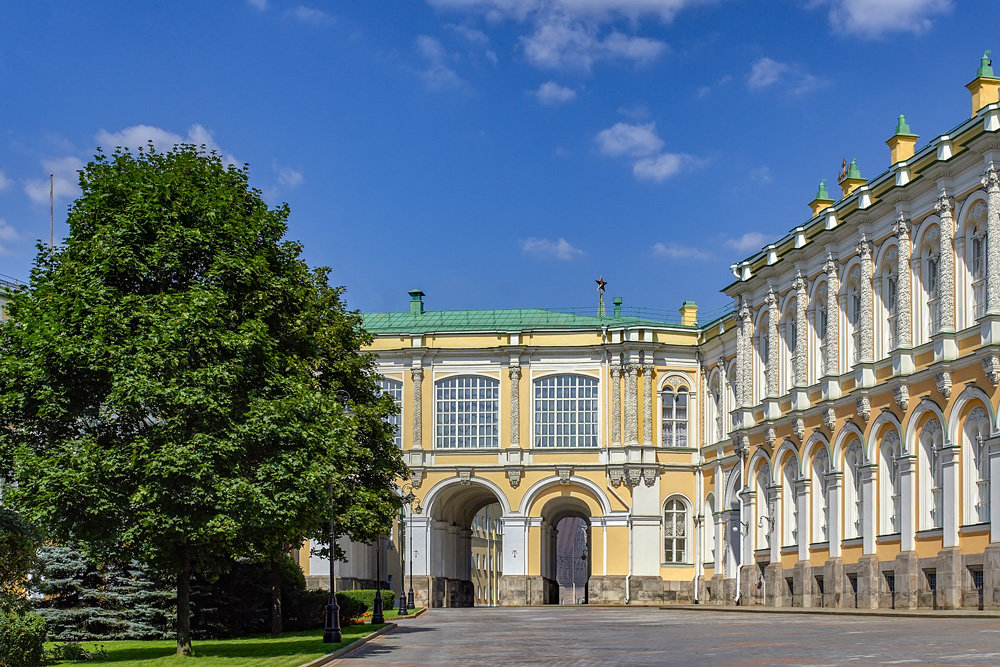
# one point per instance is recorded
(608, 636)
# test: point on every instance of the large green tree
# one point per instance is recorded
(174, 382)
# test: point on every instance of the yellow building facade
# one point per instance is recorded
(830, 441)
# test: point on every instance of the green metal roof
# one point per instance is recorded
(520, 319)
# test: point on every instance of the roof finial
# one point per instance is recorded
(985, 65)
(822, 193)
(601, 285)
(902, 129)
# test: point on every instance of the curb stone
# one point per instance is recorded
(344, 650)
(897, 613)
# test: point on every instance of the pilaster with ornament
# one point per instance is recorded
(946, 265)
(743, 317)
(991, 181)
(832, 316)
(903, 301)
(616, 407)
(801, 332)
(417, 374)
(515, 405)
(746, 368)
(647, 403)
(631, 404)
(772, 343)
(867, 324)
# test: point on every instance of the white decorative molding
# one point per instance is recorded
(771, 368)
(799, 428)
(417, 374)
(832, 366)
(944, 383)
(946, 266)
(903, 317)
(564, 472)
(864, 407)
(647, 402)
(417, 477)
(830, 419)
(617, 474)
(991, 364)
(901, 395)
(634, 475)
(616, 408)
(515, 407)
(465, 476)
(514, 474)
(801, 351)
(649, 475)
(631, 404)
(866, 325)
(770, 435)
(991, 181)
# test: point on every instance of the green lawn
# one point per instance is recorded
(289, 650)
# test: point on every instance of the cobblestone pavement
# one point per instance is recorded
(648, 636)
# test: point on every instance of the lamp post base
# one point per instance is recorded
(409, 600)
(331, 633)
(378, 611)
(402, 606)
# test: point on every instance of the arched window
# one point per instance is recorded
(788, 343)
(976, 465)
(394, 388)
(888, 293)
(852, 289)
(710, 544)
(820, 496)
(566, 411)
(675, 416)
(818, 319)
(889, 484)
(675, 531)
(931, 476)
(762, 508)
(974, 240)
(468, 412)
(930, 307)
(763, 349)
(789, 508)
(853, 498)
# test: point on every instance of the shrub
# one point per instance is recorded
(352, 607)
(366, 599)
(22, 639)
(73, 652)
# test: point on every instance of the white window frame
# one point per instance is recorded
(582, 429)
(889, 484)
(853, 494)
(487, 425)
(394, 388)
(931, 501)
(675, 390)
(669, 543)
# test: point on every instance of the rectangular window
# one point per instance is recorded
(394, 388)
(467, 412)
(566, 411)
(674, 417)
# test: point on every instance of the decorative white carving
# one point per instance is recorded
(832, 317)
(801, 332)
(417, 477)
(634, 475)
(772, 343)
(515, 407)
(770, 435)
(991, 364)
(864, 407)
(830, 419)
(649, 475)
(799, 428)
(991, 181)
(417, 374)
(514, 474)
(903, 316)
(564, 473)
(647, 403)
(465, 476)
(616, 473)
(944, 383)
(616, 408)
(901, 395)
(946, 264)
(631, 404)
(866, 325)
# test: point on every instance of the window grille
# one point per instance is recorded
(467, 412)
(566, 411)
(675, 416)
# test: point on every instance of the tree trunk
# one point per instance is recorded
(184, 603)
(275, 597)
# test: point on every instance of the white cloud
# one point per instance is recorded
(478, 40)
(288, 177)
(660, 167)
(767, 72)
(437, 74)
(7, 233)
(875, 18)
(750, 241)
(678, 251)
(258, 4)
(631, 140)
(138, 136)
(560, 249)
(551, 92)
(4, 181)
(638, 112)
(65, 180)
(578, 33)
(311, 15)
(761, 175)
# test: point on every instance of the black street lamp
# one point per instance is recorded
(402, 566)
(378, 613)
(331, 631)
(414, 505)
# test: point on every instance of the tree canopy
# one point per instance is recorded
(174, 380)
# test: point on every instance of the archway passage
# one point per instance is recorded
(464, 547)
(566, 560)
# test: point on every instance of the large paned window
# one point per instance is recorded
(976, 467)
(975, 262)
(394, 388)
(889, 484)
(468, 412)
(820, 497)
(789, 508)
(675, 416)
(566, 411)
(931, 476)
(675, 531)
(853, 509)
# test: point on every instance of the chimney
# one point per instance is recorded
(689, 314)
(985, 88)
(823, 199)
(416, 302)
(617, 312)
(850, 178)
(902, 143)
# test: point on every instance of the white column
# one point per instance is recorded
(616, 409)
(993, 447)
(805, 525)
(907, 501)
(991, 181)
(946, 265)
(904, 318)
(868, 474)
(774, 511)
(832, 317)
(647, 403)
(867, 324)
(772, 344)
(950, 456)
(801, 333)
(514, 555)
(418, 407)
(744, 346)
(418, 538)
(631, 404)
(515, 406)
(747, 499)
(720, 541)
(834, 500)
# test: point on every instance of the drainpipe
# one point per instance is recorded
(700, 536)
(628, 574)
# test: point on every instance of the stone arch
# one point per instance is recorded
(597, 495)
(813, 442)
(845, 436)
(917, 417)
(786, 448)
(759, 458)
(435, 495)
(872, 442)
(969, 395)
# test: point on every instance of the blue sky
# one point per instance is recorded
(495, 153)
